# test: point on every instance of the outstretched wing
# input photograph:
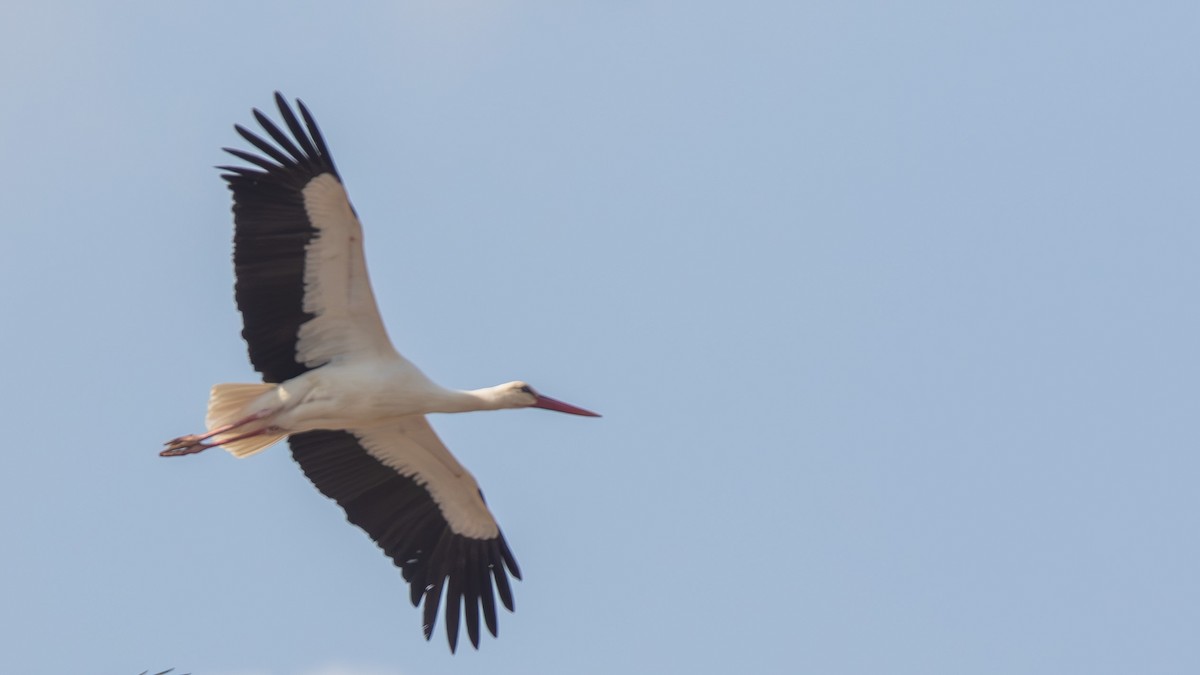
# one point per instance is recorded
(302, 283)
(403, 487)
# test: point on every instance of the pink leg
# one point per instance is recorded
(190, 445)
(193, 438)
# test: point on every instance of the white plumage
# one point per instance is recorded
(351, 406)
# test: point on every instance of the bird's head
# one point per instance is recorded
(521, 395)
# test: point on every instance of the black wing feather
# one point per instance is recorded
(402, 518)
(317, 138)
(279, 137)
(258, 142)
(471, 595)
(453, 603)
(293, 125)
(271, 234)
(260, 162)
(488, 598)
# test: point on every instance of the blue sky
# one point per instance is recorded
(890, 309)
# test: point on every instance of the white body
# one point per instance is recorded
(354, 407)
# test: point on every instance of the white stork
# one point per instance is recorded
(353, 409)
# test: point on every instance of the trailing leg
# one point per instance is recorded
(227, 411)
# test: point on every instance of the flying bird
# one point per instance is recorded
(352, 408)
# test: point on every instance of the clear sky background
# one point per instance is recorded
(890, 309)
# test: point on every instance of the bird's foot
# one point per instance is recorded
(184, 445)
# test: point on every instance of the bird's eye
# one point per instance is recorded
(527, 389)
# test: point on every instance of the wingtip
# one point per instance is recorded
(285, 108)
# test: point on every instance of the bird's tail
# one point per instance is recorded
(231, 403)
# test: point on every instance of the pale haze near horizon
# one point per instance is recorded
(890, 310)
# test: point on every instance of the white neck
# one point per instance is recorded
(454, 400)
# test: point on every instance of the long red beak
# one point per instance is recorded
(557, 405)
